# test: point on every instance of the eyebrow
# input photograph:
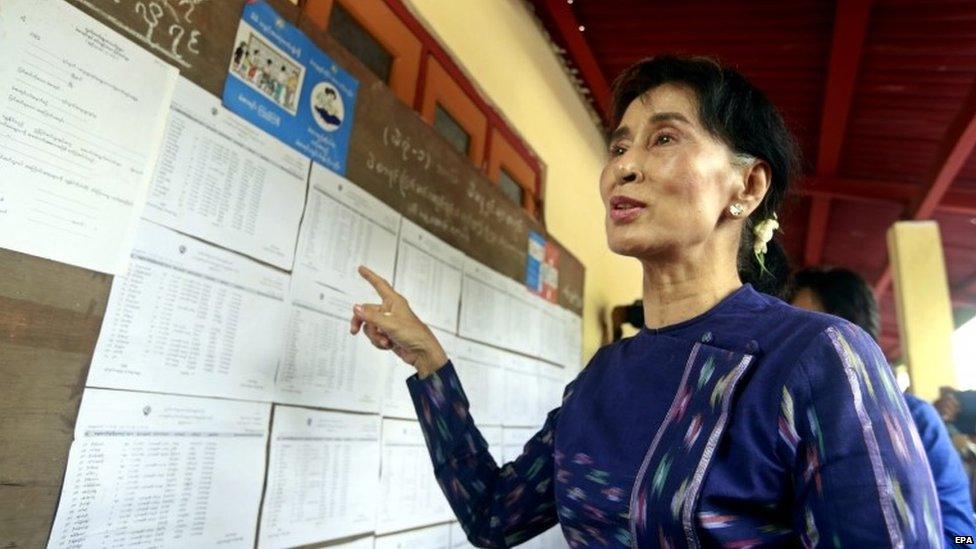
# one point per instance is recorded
(623, 131)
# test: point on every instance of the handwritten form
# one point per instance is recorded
(322, 477)
(344, 227)
(151, 470)
(78, 135)
(191, 318)
(221, 179)
(409, 493)
(428, 274)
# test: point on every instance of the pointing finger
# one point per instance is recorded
(382, 287)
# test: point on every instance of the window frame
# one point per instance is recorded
(386, 28)
(441, 89)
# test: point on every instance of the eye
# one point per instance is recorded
(617, 150)
(664, 139)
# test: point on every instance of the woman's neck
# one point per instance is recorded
(675, 292)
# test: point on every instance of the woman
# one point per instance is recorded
(844, 293)
(731, 418)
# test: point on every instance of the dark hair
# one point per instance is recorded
(737, 113)
(843, 293)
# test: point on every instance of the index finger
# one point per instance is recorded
(378, 283)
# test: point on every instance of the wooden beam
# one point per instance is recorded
(559, 16)
(959, 201)
(956, 146)
(859, 190)
(816, 230)
(872, 190)
(850, 28)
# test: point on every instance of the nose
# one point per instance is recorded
(628, 172)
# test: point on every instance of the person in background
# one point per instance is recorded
(632, 314)
(842, 292)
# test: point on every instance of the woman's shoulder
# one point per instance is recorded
(802, 332)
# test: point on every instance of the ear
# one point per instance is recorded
(757, 177)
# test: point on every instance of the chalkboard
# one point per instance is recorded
(51, 313)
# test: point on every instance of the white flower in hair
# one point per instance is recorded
(764, 233)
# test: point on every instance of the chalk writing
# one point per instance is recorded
(165, 26)
(392, 137)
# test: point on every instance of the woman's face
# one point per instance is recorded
(667, 180)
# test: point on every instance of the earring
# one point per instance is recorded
(735, 209)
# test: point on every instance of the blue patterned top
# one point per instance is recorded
(753, 424)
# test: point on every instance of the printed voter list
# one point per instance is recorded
(281, 82)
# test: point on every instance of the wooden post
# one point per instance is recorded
(923, 304)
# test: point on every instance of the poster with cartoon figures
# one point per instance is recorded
(282, 83)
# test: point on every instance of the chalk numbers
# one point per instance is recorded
(168, 26)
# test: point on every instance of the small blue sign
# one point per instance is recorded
(282, 83)
(533, 264)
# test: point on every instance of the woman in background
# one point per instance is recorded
(842, 292)
(731, 418)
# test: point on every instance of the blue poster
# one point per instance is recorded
(282, 83)
(533, 265)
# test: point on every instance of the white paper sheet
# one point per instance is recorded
(493, 436)
(396, 397)
(191, 318)
(521, 392)
(573, 331)
(550, 539)
(434, 537)
(79, 135)
(221, 179)
(409, 493)
(151, 470)
(458, 538)
(482, 372)
(323, 365)
(550, 383)
(552, 336)
(428, 274)
(513, 441)
(521, 327)
(322, 477)
(365, 542)
(343, 227)
(484, 305)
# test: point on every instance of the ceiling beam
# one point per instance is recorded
(816, 230)
(859, 190)
(959, 201)
(850, 29)
(871, 190)
(558, 15)
(956, 146)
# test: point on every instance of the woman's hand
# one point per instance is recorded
(392, 326)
